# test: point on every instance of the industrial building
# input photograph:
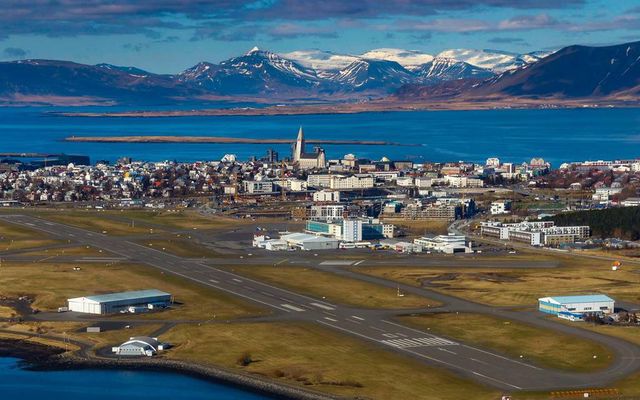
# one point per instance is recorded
(305, 241)
(116, 302)
(140, 346)
(575, 307)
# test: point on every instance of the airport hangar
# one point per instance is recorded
(573, 307)
(114, 302)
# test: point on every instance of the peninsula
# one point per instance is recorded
(219, 139)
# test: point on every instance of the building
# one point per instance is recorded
(354, 182)
(140, 346)
(500, 207)
(115, 302)
(575, 307)
(448, 244)
(535, 233)
(317, 159)
(257, 187)
(326, 196)
(326, 212)
(305, 241)
(352, 230)
(447, 212)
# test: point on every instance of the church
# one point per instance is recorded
(304, 160)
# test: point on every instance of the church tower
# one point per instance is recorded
(298, 147)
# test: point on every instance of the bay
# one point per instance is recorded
(557, 135)
(108, 384)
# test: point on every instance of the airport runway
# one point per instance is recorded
(376, 326)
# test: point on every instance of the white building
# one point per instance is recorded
(326, 212)
(574, 307)
(140, 346)
(326, 196)
(501, 207)
(306, 241)
(257, 187)
(359, 181)
(352, 230)
(448, 244)
(115, 302)
(457, 181)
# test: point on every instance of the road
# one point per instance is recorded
(376, 326)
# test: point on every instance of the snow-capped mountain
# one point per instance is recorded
(410, 59)
(442, 69)
(256, 72)
(494, 60)
(373, 74)
(321, 61)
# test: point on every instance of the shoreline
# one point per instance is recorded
(370, 107)
(40, 357)
(220, 140)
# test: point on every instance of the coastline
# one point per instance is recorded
(373, 106)
(40, 357)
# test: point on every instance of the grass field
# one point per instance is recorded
(628, 333)
(6, 312)
(87, 251)
(181, 247)
(15, 237)
(520, 287)
(515, 339)
(333, 288)
(321, 360)
(50, 284)
(179, 219)
(94, 221)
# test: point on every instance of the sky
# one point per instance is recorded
(168, 36)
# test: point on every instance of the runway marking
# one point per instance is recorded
(213, 280)
(249, 288)
(478, 361)
(359, 262)
(358, 318)
(331, 319)
(290, 307)
(419, 342)
(448, 351)
(376, 328)
(267, 294)
(389, 335)
(236, 280)
(354, 322)
(496, 380)
(322, 306)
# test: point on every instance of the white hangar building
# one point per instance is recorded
(114, 302)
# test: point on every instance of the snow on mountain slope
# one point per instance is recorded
(495, 60)
(319, 60)
(373, 74)
(410, 59)
(442, 69)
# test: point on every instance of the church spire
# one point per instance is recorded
(298, 148)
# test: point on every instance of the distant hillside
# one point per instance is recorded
(609, 72)
(623, 222)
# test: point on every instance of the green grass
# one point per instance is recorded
(536, 345)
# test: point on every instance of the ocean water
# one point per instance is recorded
(17, 383)
(512, 135)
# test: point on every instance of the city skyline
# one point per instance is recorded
(164, 37)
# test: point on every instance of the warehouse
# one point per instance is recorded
(305, 241)
(574, 307)
(115, 302)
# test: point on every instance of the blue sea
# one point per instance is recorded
(558, 135)
(17, 383)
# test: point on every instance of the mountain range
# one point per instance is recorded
(315, 75)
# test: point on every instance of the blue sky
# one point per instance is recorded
(167, 36)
